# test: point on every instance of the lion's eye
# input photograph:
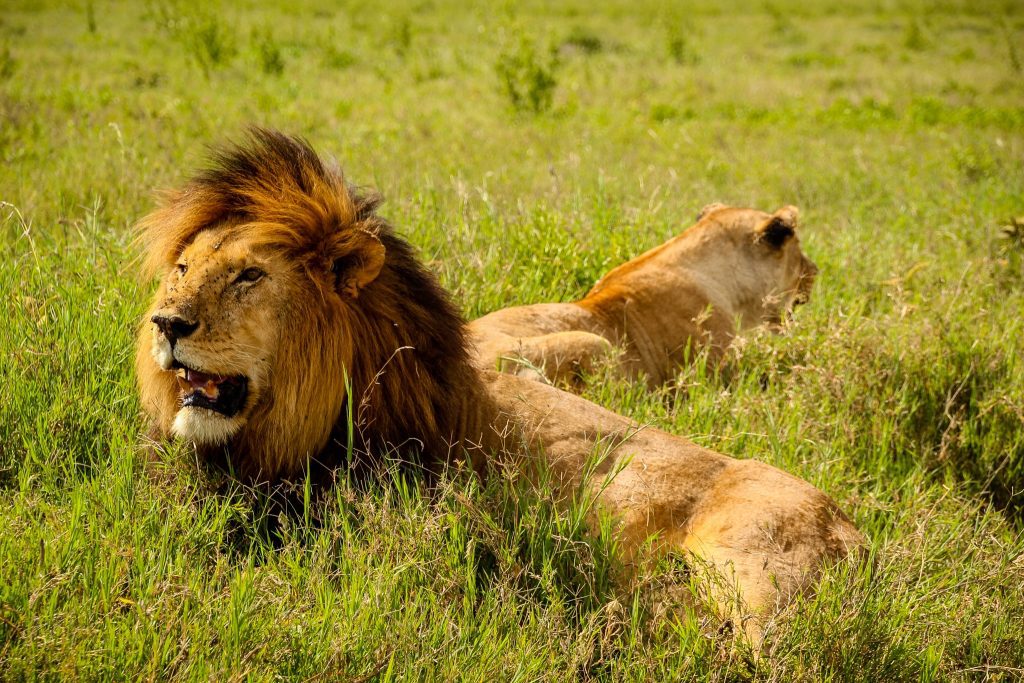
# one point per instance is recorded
(250, 275)
(182, 268)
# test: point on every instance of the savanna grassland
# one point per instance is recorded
(525, 148)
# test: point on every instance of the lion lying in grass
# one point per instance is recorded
(286, 304)
(736, 268)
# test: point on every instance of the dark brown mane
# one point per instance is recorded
(411, 365)
(300, 203)
(409, 361)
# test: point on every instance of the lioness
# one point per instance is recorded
(736, 268)
(285, 303)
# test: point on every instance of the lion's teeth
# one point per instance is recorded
(211, 390)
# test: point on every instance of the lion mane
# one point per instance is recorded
(401, 350)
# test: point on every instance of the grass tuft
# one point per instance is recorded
(914, 36)
(209, 40)
(528, 77)
(8, 63)
(401, 35)
(90, 16)
(584, 40)
(679, 44)
(268, 52)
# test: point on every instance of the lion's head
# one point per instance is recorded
(280, 292)
(777, 272)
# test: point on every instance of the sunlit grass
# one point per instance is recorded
(899, 389)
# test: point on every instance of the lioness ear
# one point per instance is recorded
(779, 227)
(357, 262)
(709, 208)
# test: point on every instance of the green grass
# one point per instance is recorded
(898, 128)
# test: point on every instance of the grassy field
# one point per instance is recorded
(525, 149)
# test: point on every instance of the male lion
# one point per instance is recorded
(734, 268)
(285, 304)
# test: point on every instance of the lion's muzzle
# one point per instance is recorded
(174, 327)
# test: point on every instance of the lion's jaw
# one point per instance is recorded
(794, 275)
(215, 331)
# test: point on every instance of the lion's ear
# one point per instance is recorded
(715, 206)
(779, 227)
(357, 262)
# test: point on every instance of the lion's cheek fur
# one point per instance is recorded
(157, 387)
(298, 406)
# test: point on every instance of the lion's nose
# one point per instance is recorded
(174, 327)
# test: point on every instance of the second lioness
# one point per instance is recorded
(734, 269)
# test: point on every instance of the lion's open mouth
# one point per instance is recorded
(224, 394)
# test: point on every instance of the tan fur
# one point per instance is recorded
(302, 330)
(767, 532)
(325, 313)
(734, 269)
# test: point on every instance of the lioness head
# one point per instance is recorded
(773, 273)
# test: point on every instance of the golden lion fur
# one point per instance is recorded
(403, 355)
(735, 269)
(344, 319)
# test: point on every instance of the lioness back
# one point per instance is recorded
(734, 269)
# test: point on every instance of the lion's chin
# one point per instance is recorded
(205, 426)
